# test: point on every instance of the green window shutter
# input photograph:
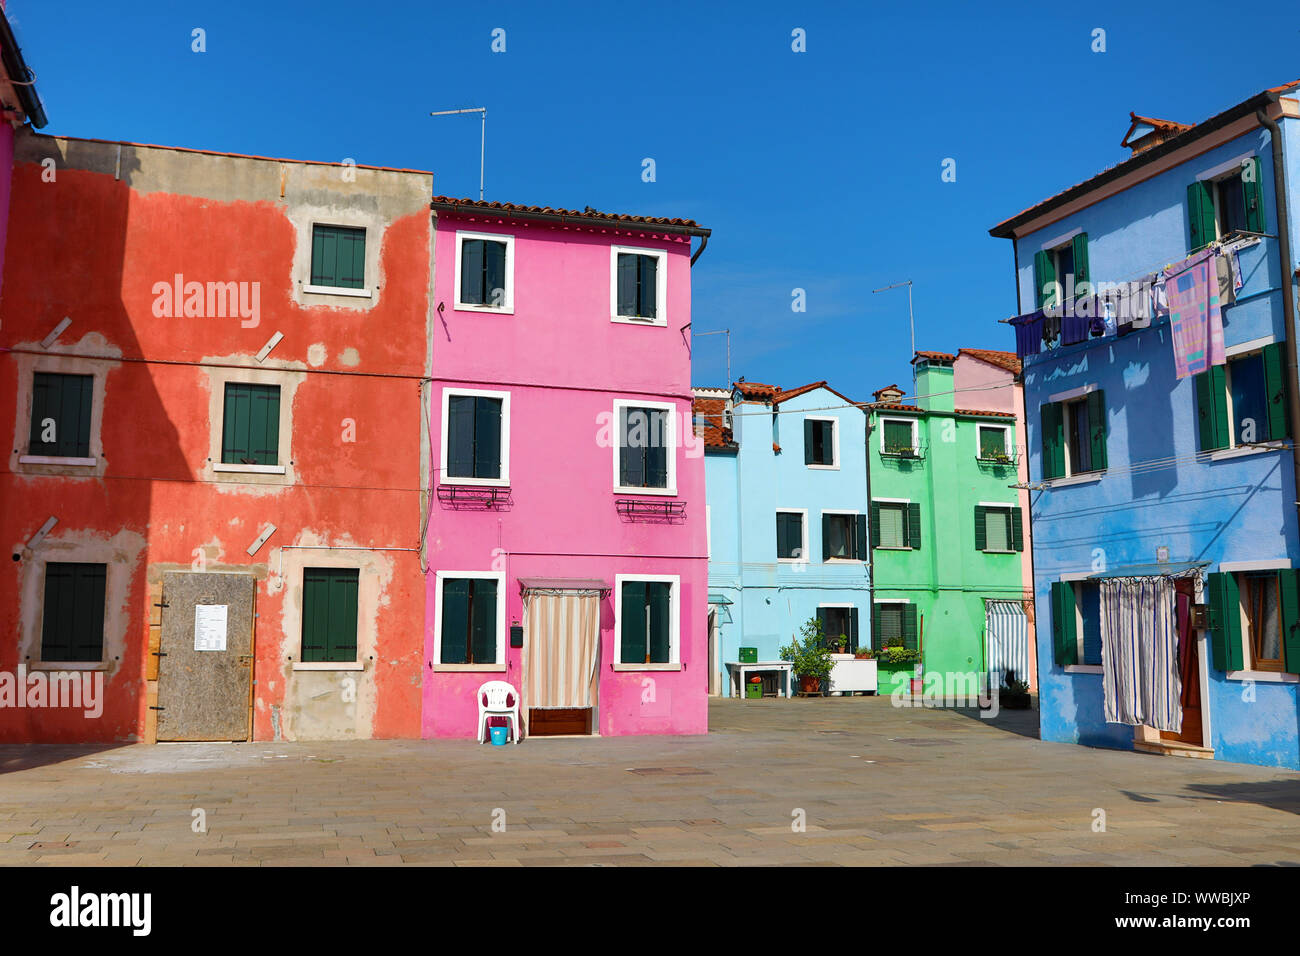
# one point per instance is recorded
(875, 626)
(1225, 622)
(631, 459)
(647, 286)
(634, 639)
(1065, 635)
(315, 601)
(1052, 419)
(460, 436)
(341, 644)
(1200, 214)
(1044, 275)
(471, 271)
(1253, 193)
(875, 525)
(1097, 428)
(338, 256)
(1275, 379)
(824, 620)
(1211, 408)
(64, 400)
(483, 620)
(494, 273)
(981, 529)
(1017, 529)
(250, 428)
(236, 418)
(808, 442)
(1289, 599)
(455, 621)
(1079, 245)
(659, 596)
(914, 526)
(855, 639)
(627, 275)
(826, 536)
(909, 627)
(72, 624)
(656, 453)
(487, 437)
(860, 537)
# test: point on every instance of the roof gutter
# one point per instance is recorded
(1288, 284)
(22, 79)
(473, 208)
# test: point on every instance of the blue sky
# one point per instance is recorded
(818, 170)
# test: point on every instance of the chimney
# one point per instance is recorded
(1147, 131)
(890, 394)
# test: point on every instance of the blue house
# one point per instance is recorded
(785, 473)
(1162, 457)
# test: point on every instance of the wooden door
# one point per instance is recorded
(1189, 668)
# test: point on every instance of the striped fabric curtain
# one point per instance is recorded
(561, 646)
(1139, 652)
(1008, 649)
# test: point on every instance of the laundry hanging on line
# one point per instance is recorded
(1195, 318)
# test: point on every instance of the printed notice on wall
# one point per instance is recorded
(210, 627)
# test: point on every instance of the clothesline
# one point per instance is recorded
(902, 400)
(1152, 465)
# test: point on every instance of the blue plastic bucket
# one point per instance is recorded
(499, 735)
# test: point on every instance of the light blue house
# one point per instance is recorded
(1164, 509)
(785, 473)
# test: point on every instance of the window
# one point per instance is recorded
(72, 626)
(791, 537)
(820, 443)
(898, 437)
(250, 430)
(1076, 623)
(893, 624)
(1243, 401)
(637, 285)
(646, 620)
(470, 620)
(844, 536)
(992, 442)
(1074, 435)
(1219, 207)
(644, 460)
(839, 628)
(476, 437)
(1060, 271)
(485, 272)
(338, 256)
(329, 614)
(998, 528)
(61, 407)
(1254, 620)
(895, 524)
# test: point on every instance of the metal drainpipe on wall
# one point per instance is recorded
(871, 552)
(1288, 285)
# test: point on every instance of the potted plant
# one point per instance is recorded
(808, 653)
(900, 451)
(1013, 694)
(864, 654)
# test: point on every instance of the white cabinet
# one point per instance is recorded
(850, 674)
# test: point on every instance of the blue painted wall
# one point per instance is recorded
(745, 489)
(1237, 509)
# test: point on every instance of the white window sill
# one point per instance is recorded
(337, 290)
(469, 668)
(1087, 478)
(67, 666)
(1083, 668)
(639, 320)
(892, 547)
(476, 482)
(664, 492)
(56, 460)
(991, 551)
(792, 561)
(824, 467)
(491, 309)
(249, 469)
(1244, 450)
(329, 666)
(647, 667)
(837, 560)
(1264, 677)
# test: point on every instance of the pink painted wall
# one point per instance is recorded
(565, 363)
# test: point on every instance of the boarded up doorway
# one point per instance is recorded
(205, 663)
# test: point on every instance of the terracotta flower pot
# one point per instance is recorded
(810, 685)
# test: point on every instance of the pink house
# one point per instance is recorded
(566, 543)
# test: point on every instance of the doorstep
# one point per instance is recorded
(1173, 748)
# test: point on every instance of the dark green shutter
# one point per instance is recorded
(338, 257)
(875, 526)
(1079, 246)
(250, 428)
(72, 623)
(823, 620)
(1225, 622)
(1212, 407)
(1052, 419)
(1097, 428)
(659, 596)
(647, 271)
(1253, 193)
(460, 436)
(1044, 275)
(471, 271)
(1200, 214)
(656, 453)
(981, 529)
(875, 626)
(1275, 390)
(909, 627)
(627, 273)
(808, 442)
(483, 620)
(854, 635)
(494, 273)
(914, 526)
(1017, 529)
(455, 621)
(633, 625)
(1065, 634)
(66, 399)
(329, 614)
(487, 437)
(860, 537)
(1289, 599)
(826, 536)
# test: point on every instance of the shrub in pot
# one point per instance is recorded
(808, 653)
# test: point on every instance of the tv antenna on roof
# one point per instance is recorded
(910, 323)
(482, 143)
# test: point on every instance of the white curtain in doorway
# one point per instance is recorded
(1139, 652)
(561, 647)
(1008, 648)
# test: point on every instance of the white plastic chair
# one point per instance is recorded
(497, 698)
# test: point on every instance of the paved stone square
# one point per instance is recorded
(877, 785)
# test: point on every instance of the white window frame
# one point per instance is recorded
(674, 622)
(443, 477)
(440, 578)
(508, 305)
(893, 501)
(1008, 441)
(835, 442)
(365, 292)
(670, 440)
(661, 286)
(904, 419)
(853, 534)
(1008, 508)
(803, 548)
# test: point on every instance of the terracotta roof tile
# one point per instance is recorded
(757, 390)
(713, 431)
(1006, 360)
(984, 412)
(891, 407)
(588, 214)
(933, 357)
